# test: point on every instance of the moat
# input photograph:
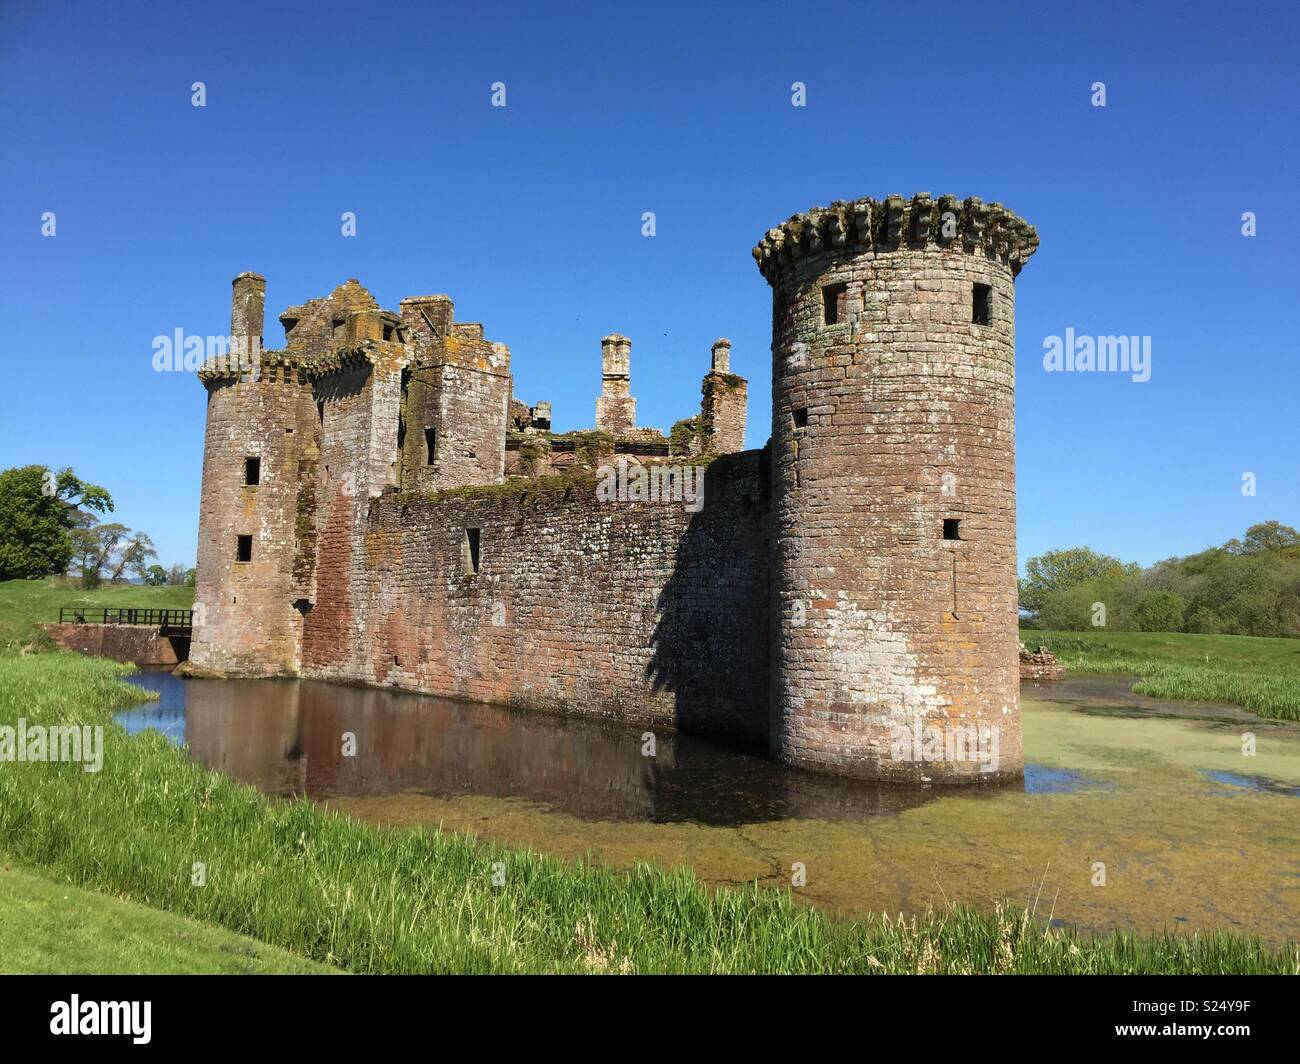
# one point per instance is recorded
(1192, 834)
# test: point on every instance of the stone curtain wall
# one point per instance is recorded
(637, 612)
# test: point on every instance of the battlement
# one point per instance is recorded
(886, 225)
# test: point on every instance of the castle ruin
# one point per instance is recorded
(377, 507)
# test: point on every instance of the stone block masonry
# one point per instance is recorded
(539, 595)
(409, 523)
(138, 644)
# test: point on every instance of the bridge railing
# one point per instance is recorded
(167, 621)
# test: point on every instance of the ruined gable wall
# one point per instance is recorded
(636, 612)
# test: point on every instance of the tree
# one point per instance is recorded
(38, 511)
(176, 575)
(1267, 536)
(133, 555)
(1061, 570)
(155, 576)
(93, 546)
(1159, 611)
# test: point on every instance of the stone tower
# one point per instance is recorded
(260, 417)
(893, 477)
(455, 399)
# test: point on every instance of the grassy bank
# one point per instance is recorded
(24, 603)
(47, 928)
(1262, 675)
(368, 900)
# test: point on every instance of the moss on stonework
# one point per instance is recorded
(683, 435)
(592, 446)
(532, 451)
(510, 489)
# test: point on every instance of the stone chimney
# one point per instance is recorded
(722, 356)
(248, 308)
(616, 409)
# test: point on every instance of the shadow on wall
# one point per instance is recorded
(710, 642)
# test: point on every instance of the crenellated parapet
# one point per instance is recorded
(923, 221)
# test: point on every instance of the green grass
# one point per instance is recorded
(24, 603)
(1263, 675)
(47, 928)
(370, 900)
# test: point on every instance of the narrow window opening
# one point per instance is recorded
(388, 332)
(339, 326)
(800, 417)
(430, 445)
(833, 300)
(981, 304)
(288, 432)
(243, 548)
(253, 470)
(320, 411)
(951, 528)
(470, 551)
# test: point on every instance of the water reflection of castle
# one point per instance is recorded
(287, 737)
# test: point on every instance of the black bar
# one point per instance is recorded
(305, 1013)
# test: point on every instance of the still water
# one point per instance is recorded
(1135, 814)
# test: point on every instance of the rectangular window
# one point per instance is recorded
(243, 548)
(253, 470)
(834, 297)
(951, 528)
(469, 551)
(320, 411)
(800, 417)
(981, 311)
(430, 445)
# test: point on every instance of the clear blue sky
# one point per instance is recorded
(530, 216)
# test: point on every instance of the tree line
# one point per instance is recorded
(50, 524)
(1247, 586)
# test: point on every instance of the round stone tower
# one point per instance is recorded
(893, 472)
(260, 417)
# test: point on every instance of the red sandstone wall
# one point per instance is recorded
(245, 620)
(640, 612)
(908, 418)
